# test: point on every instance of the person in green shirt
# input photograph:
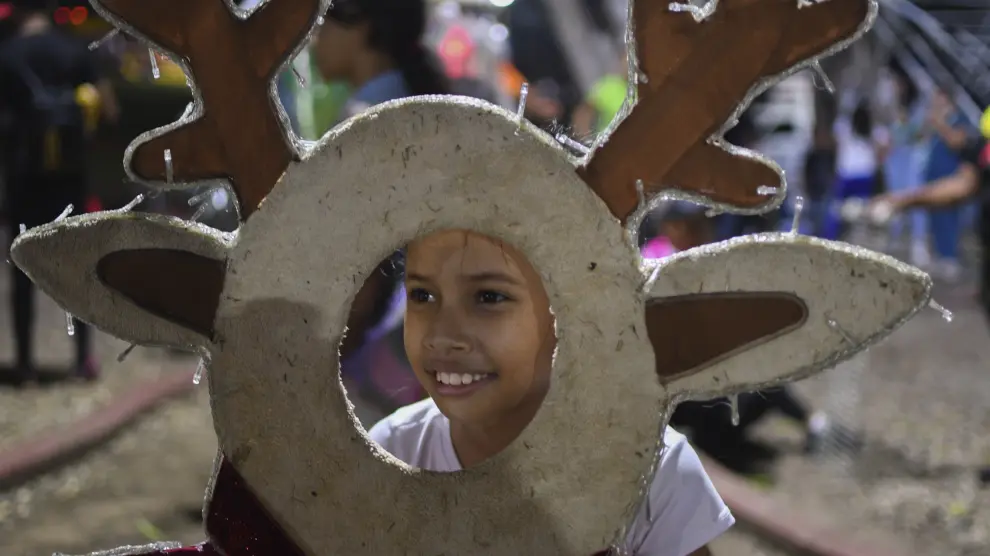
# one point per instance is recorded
(602, 104)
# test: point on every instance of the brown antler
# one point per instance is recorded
(697, 75)
(233, 60)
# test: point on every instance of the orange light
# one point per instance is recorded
(62, 16)
(78, 15)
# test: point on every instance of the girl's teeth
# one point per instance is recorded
(458, 379)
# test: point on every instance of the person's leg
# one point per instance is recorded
(920, 253)
(897, 170)
(832, 221)
(946, 224)
(783, 401)
(86, 367)
(21, 304)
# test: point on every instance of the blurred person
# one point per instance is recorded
(603, 103)
(53, 94)
(947, 133)
(902, 167)
(819, 176)
(856, 165)
(537, 53)
(970, 180)
(377, 48)
(540, 107)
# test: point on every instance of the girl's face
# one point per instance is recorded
(335, 46)
(478, 328)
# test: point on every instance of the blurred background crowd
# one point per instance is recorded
(910, 101)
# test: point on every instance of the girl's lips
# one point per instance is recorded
(452, 390)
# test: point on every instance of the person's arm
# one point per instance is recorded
(954, 136)
(583, 120)
(946, 191)
(703, 551)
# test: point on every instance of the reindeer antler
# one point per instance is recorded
(696, 72)
(233, 60)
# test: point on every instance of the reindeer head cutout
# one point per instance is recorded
(267, 305)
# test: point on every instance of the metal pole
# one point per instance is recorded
(967, 106)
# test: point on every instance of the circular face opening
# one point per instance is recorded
(449, 350)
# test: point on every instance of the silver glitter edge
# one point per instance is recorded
(783, 238)
(212, 483)
(132, 550)
(717, 138)
(196, 109)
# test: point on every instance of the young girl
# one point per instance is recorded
(480, 337)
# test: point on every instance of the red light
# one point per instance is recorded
(78, 15)
(62, 16)
(6, 10)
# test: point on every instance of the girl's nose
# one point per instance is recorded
(446, 337)
(443, 345)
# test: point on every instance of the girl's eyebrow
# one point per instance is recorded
(494, 276)
(416, 277)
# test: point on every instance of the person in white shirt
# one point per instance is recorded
(479, 336)
(855, 166)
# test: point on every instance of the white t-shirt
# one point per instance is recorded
(690, 513)
(855, 156)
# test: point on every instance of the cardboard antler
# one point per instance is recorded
(233, 60)
(696, 74)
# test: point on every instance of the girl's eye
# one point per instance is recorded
(419, 295)
(489, 297)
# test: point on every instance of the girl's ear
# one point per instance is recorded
(759, 310)
(147, 279)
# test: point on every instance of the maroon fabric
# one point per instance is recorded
(238, 525)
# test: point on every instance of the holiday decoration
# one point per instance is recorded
(266, 306)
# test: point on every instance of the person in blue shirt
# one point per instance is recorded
(947, 135)
(376, 47)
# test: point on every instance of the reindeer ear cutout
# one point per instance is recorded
(681, 328)
(755, 311)
(179, 286)
(236, 130)
(146, 279)
(696, 76)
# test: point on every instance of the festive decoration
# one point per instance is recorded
(266, 306)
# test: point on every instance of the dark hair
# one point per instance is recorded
(862, 121)
(396, 28)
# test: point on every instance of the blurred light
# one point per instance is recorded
(6, 10)
(498, 32)
(62, 16)
(449, 10)
(78, 15)
(501, 3)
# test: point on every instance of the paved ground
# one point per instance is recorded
(923, 400)
(25, 412)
